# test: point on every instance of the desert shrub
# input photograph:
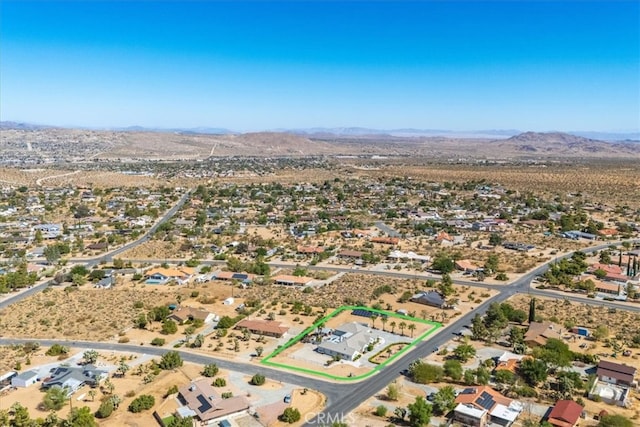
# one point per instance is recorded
(381, 411)
(105, 410)
(159, 342)
(258, 379)
(210, 370)
(219, 382)
(141, 403)
(290, 415)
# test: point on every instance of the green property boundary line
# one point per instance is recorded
(267, 360)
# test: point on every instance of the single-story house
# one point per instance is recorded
(477, 406)
(184, 314)
(202, 402)
(385, 240)
(347, 341)
(74, 378)
(230, 275)
(310, 250)
(565, 413)
(410, 256)
(163, 275)
(25, 379)
(350, 254)
(285, 279)
(466, 265)
(432, 298)
(269, 328)
(616, 373)
(539, 333)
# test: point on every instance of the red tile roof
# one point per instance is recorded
(565, 414)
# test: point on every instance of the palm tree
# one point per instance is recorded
(374, 316)
(384, 320)
(411, 327)
(393, 326)
(402, 325)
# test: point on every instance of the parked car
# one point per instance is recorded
(287, 398)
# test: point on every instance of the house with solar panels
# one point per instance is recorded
(245, 278)
(481, 406)
(347, 341)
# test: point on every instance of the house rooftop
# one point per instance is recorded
(565, 413)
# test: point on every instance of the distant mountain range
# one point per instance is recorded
(355, 132)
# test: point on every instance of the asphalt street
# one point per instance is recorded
(342, 398)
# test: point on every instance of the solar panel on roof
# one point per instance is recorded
(486, 400)
(361, 312)
(239, 276)
(205, 405)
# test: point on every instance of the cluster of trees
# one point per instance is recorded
(562, 273)
(19, 416)
(257, 266)
(18, 279)
(498, 316)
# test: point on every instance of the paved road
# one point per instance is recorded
(91, 262)
(331, 390)
(342, 398)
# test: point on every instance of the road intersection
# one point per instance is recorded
(342, 398)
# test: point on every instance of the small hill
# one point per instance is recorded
(562, 144)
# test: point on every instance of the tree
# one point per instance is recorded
(453, 369)
(81, 417)
(141, 403)
(210, 370)
(393, 326)
(483, 375)
(392, 392)
(381, 411)
(424, 373)
(533, 371)
(169, 327)
(290, 415)
(259, 349)
(555, 352)
(412, 328)
(446, 285)
(615, 421)
(92, 394)
(52, 253)
(419, 412)
(106, 409)
(532, 310)
(55, 398)
(170, 360)
(402, 325)
(495, 239)
(384, 320)
(492, 263)
(20, 416)
(464, 352)
(90, 356)
(600, 333)
(504, 376)
(258, 379)
(141, 321)
(443, 263)
(444, 400)
(123, 368)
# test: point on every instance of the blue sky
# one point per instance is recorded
(259, 65)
